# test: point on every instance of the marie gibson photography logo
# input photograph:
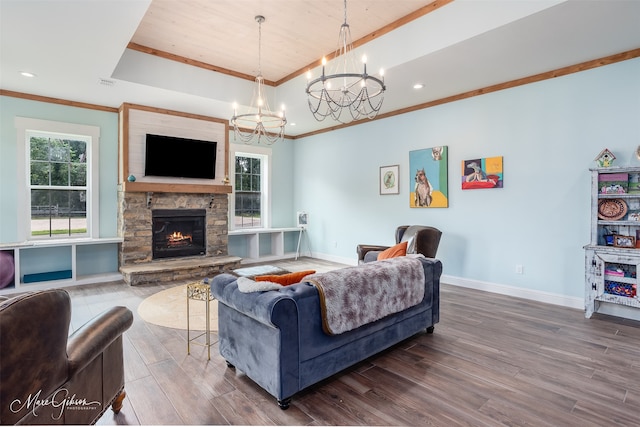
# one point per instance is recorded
(59, 400)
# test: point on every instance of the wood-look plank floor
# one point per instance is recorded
(493, 360)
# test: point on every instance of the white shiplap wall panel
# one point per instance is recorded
(143, 122)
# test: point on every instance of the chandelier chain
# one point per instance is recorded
(260, 20)
(345, 12)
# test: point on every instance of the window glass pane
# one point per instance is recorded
(241, 164)
(39, 173)
(255, 166)
(78, 174)
(78, 151)
(60, 174)
(59, 150)
(78, 211)
(39, 148)
(40, 203)
(60, 199)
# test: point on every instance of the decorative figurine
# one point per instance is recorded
(131, 178)
(605, 158)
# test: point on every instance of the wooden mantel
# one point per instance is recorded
(175, 188)
(137, 120)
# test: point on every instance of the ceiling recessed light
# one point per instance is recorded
(418, 86)
(27, 74)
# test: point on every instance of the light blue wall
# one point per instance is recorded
(282, 182)
(548, 133)
(108, 122)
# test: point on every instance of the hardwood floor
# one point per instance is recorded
(493, 360)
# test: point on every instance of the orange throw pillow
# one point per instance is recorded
(394, 251)
(285, 279)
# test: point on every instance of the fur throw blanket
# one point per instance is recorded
(354, 296)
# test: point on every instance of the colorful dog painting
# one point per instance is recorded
(482, 173)
(429, 177)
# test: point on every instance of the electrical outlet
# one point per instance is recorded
(519, 269)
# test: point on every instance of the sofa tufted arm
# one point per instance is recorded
(265, 307)
(95, 336)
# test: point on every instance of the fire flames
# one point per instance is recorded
(178, 239)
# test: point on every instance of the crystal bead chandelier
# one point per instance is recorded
(259, 123)
(343, 89)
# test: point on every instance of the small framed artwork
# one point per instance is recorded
(389, 179)
(302, 219)
(485, 172)
(624, 241)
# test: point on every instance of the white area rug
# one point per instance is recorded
(169, 308)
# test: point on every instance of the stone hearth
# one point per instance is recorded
(134, 226)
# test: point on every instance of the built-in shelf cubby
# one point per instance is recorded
(264, 244)
(43, 264)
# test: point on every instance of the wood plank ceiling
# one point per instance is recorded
(295, 34)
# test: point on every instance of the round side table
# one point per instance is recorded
(200, 291)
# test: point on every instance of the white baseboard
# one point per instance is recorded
(540, 296)
(333, 258)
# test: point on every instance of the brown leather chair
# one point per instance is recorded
(49, 377)
(421, 239)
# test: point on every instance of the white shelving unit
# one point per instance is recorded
(263, 244)
(61, 263)
(611, 281)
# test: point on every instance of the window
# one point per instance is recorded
(250, 204)
(248, 194)
(58, 184)
(60, 197)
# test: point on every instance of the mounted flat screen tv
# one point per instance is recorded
(179, 157)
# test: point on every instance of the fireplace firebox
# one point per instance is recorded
(178, 232)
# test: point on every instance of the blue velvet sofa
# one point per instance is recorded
(276, 337)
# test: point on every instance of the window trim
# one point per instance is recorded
(25, 125)
(265, 153)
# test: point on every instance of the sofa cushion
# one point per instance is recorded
(247, 285)
(394, 251)
(285, 279)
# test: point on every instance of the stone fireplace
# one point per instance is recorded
(188, 240)
(173, 228)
